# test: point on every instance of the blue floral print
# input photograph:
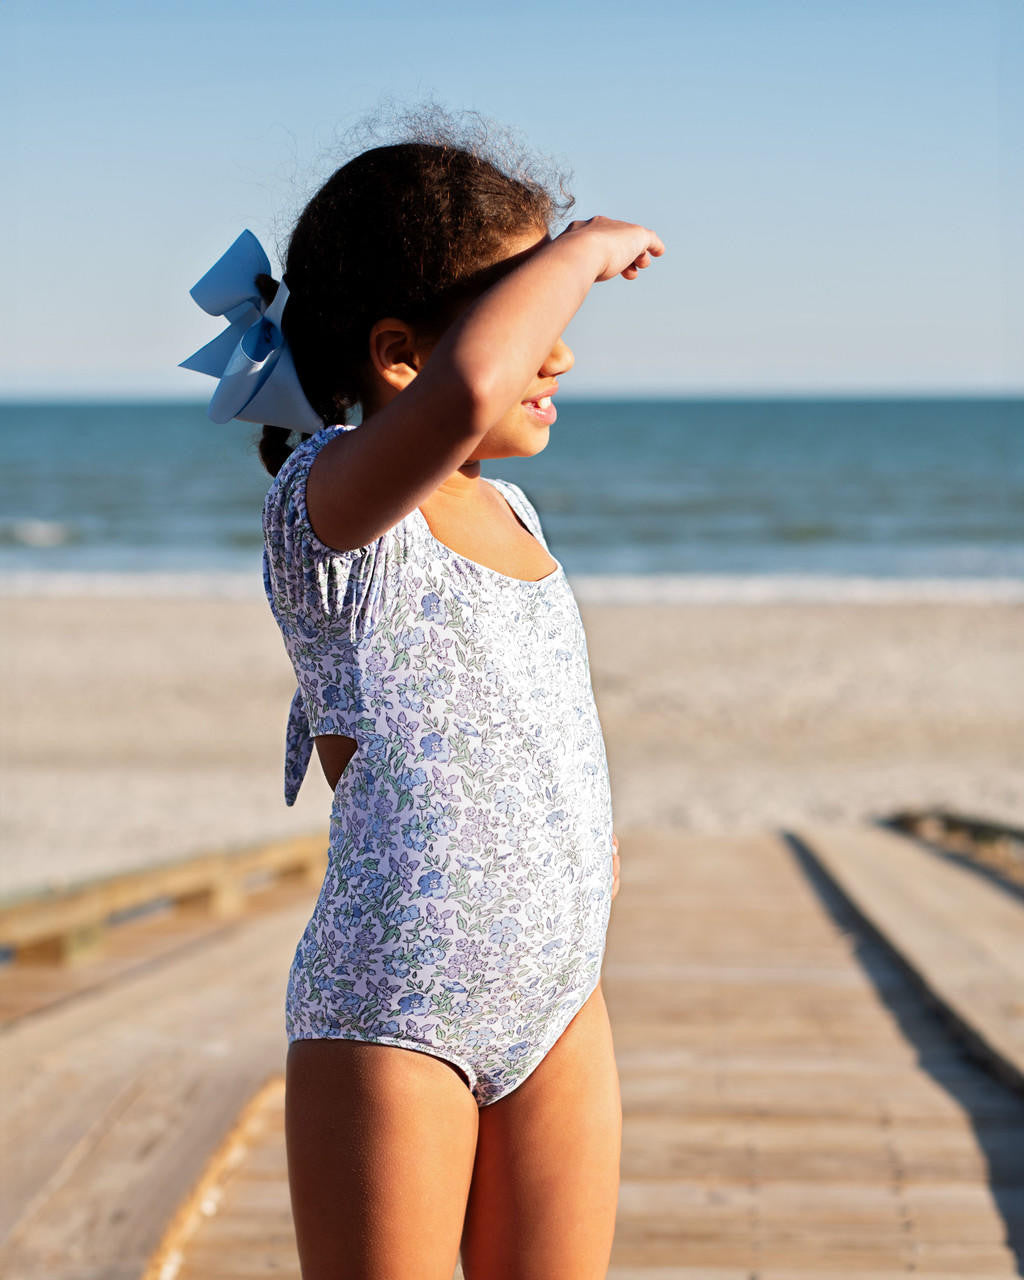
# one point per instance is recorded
(468, 889)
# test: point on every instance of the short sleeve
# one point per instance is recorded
(299, 566)
(327, 604)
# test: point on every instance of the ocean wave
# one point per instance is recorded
(30, 531)
(588, 588)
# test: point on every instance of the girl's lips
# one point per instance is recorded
(542, 409)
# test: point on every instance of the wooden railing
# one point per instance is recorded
(995, 845)
(70, 925)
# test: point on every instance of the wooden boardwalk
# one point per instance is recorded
(794, 1109)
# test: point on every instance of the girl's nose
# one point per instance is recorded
(560, 359)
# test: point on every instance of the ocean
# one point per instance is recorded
(640, 499)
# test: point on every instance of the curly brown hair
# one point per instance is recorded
(410, 229)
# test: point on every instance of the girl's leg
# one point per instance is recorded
(380, 1143)
(546, 1177)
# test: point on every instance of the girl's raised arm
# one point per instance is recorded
(365, 481)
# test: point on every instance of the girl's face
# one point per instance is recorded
(397, 354)
(524, 430)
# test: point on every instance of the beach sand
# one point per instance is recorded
(141, 730)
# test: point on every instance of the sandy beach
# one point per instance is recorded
(140, 730)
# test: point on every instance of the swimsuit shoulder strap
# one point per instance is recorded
(522, 506)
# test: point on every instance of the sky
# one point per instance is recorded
(838, 183)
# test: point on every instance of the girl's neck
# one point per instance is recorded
(463, 483)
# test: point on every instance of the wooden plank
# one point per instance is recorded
(114, 1100)
(961, 935)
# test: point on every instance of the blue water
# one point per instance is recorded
(878, 488)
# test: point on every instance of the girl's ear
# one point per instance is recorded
(395, 353)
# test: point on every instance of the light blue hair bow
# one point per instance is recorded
(258, 382)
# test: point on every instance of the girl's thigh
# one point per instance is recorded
(380, 1143)
(546, 1177)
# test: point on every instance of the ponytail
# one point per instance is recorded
(273, 444)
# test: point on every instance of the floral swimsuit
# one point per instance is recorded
(468, 887)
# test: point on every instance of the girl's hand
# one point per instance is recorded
(626, 248)
(615, 864)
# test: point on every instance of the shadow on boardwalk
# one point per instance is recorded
(987, 1101)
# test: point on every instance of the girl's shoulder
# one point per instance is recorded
(285, 500)
(285, 515)
(304, 576)
(322, 596)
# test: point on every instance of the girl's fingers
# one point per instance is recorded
(636, 266)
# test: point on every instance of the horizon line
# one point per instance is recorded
(593, 397)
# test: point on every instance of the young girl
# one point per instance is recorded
(443, 678)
